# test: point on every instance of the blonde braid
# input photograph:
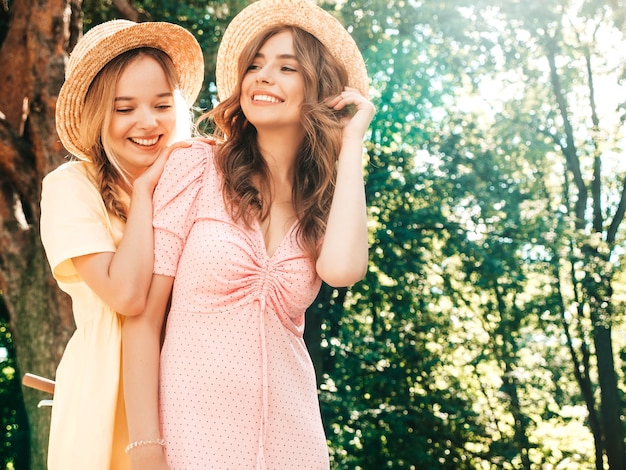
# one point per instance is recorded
(107, 181)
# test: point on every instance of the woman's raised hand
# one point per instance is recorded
(357, 124)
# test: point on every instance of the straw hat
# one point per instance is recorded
(106, 41)
(304, 14)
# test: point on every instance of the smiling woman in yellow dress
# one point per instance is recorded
(124, 103)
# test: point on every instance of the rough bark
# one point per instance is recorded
(32, 58)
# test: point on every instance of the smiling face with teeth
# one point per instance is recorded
(272, 90)
(144, 116)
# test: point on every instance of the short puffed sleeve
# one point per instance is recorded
(175, 203)
(74, 220)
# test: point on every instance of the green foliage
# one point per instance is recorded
(13, 423)
(469, 344)
(466, 226)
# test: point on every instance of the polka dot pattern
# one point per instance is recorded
(237, 385)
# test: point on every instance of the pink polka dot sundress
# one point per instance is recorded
(237, 385)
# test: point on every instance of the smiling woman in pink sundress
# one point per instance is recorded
(245, 232)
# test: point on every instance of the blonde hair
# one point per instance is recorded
(239, 158)
(97, 115)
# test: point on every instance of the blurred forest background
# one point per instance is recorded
(489, 332)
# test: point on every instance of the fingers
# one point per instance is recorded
(350, 96)
(159, 164)
(167, 151)
(355, 125)
(176, 145)
(206, 140)
(151, 176)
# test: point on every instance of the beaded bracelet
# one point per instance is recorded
(144, 442)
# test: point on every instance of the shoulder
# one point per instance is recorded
(197, 151)
(70, 171)
(184, 159)
(186, 168)
(70, 177)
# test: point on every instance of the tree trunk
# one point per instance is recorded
(509, 323)
(32, 62)
(597, 282)
(611, 408)
(600, 294)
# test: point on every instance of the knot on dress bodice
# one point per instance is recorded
(268, 279)
(232, 271)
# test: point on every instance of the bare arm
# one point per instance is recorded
(141, 344)
(122, 278)
(344, 252)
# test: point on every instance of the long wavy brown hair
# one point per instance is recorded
(239, 158)
(110, 178)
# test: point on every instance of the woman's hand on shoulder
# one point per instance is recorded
(152, 175)
(355, 125)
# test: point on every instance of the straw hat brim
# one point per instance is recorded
(106, 41)
(303, 14)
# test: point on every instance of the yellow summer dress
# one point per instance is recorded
(88, 429)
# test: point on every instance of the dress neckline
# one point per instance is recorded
(283, 240)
